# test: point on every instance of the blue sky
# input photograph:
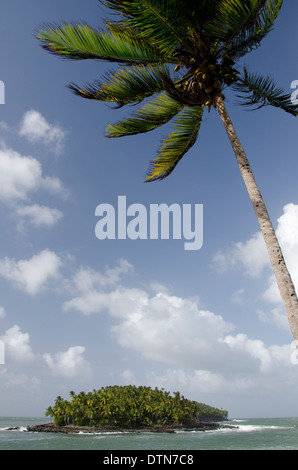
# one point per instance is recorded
(79, 313)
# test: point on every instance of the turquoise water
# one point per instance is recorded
(252, 434)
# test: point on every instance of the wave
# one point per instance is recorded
(258, 427)
(99, 433)
(248, 428)
(16, 428)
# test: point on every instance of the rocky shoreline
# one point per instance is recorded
(201, 426)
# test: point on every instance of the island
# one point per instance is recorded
(130, 409)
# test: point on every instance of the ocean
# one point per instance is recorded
(251, 434)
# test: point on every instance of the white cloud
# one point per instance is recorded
(14, 381)
(70, 363)
(253, 348)
(203, 356)
(288, 228)
(39, 215)
(4, 126)
(55, 186)
(165, 328)
(157, 287)
(159, 326)
(258, 393)
(253, 258)
(86, 279)
(168, 328)
(18, 175)
(250, 255)
(21, 175)
(33, 274)
(287, 233)
(36, 129)
(90, 285)
(276, 317)
(272, 294)
(198, 346)
(237, 296)
(17, 347)
(177, 332)
(192, 383)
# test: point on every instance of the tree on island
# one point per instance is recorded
(183, 54)
(130, 406)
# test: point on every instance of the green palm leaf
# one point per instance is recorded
(261, 91)
(232, 16)
(198, 13)
(127, 85)
(235, 16)
(80, 42)
(153, 114)
(253, 32)
(240, 25)
(157, 20)
(186, 128)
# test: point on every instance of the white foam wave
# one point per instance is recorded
(254, 427)
(22, 429)
(248, 428)
(16, 429)
(102, 433)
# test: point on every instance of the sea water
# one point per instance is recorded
(250, 434)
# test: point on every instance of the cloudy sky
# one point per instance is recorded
(78, 313)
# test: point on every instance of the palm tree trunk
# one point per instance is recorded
(282, 275)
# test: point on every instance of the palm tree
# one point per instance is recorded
(180, 56)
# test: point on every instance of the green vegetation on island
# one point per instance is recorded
(130, 406)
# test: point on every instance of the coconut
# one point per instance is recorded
(217, 84)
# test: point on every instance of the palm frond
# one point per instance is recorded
(127, 85)
(157, 20)
(197, 12)
(185, 132)
(153, 114)
(261, 22)
(79, 42)
(240, 25)
(261, 91)
(231, 17)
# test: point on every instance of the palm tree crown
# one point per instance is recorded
(182, 55)
(176, 59)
